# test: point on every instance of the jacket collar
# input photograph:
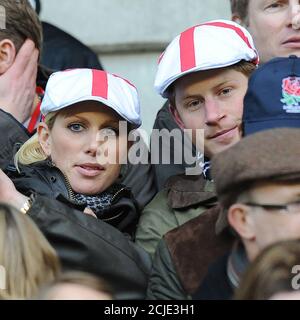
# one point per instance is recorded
(184, 191)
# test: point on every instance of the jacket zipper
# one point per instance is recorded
(68, 185)
(116, 194)
(70, 191)
(113, 198)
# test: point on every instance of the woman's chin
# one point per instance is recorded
(89, 190)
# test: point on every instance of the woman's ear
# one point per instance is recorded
(44, 138)
(7, 55)
(241, 220)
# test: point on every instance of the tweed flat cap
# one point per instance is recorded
(271, 155)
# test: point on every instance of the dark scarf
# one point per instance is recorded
(237, 264)
(99, 202)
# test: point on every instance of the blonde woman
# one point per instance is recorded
(58, 177)
(27, 259)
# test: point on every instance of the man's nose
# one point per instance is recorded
(213, 112)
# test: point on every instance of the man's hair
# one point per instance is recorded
(240, 7)
(21, 23)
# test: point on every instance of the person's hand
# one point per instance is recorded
(18, 83)
(9, 194)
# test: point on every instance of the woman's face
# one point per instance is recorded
(75, 146)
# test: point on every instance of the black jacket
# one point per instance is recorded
(81, 241)
(44, 179)
(216, 285)
(87, 244)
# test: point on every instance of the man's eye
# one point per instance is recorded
(226, 91)
(76, 127)
(274, 5)
(194, 105)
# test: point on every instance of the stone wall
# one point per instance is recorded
(129, 35)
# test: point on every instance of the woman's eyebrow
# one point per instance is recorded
(111, 123)
(74, 116)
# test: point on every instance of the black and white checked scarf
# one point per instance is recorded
(98, 202)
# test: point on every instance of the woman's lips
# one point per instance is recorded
(89, 170)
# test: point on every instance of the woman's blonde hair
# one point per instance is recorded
(32, 151)
(26, 256)
(80, 278)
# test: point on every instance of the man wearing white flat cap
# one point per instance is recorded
(205, 90)
(204, 73)
(275, 28)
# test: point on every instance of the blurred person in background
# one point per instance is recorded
(273, 274)
(76, 286)
(28, 259)
(274, 26)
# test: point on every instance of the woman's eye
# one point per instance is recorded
(109, 132)
(76, 127)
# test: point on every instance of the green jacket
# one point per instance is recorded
(184, 198)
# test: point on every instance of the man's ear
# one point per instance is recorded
(236, 18)
(7, 55)
(241, 220)
(176, 116)
(44, 138)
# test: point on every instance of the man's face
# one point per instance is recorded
(270, 226)
(213, 101)
(270, 24)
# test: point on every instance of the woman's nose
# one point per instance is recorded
(92, 145)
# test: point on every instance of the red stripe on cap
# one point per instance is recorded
(127, 81)
(160, 57)
(237, 30)
(187, 50)
(100, 84)
(232, 27)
